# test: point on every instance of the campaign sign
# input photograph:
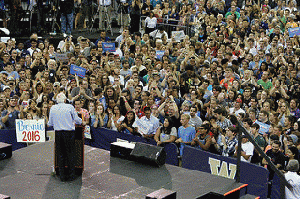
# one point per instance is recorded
(160, 54)
(30, 130)
(294, 31)
(178, 35)
(143, 127)
(61, 57)
(110, 47)
(79, 71)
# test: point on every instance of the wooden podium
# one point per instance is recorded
(79, 153)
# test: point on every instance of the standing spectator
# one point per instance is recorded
(81, 111)
(135, 16)
(114, 118)
(67, 12)
(230, 141)
(247, 149)
(294, 179)
(86, 11)
(264, 81)
(276, 156)
(150, 23)
(294, 108)
(186, 133)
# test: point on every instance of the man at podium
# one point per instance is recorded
(63, 118)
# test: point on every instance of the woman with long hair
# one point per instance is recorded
(33, 109)
(128, 125)
(45, 112)
(104, 82)
(92, 112)
(166, 133)
(101, 118)
(284, 112)
(115, 118)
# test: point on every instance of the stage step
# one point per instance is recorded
(233, 193)
(249, 196)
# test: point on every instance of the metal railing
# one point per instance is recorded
(283, 183)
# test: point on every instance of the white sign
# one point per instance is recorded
(87, 132)
(30, 130)
(143, 127)
(178, 35)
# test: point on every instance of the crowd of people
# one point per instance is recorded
(239, 65)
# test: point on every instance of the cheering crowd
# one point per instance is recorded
(238, 65)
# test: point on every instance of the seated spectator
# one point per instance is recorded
(151, 121)
(13, 112)
(276, 156)
(202, 139)
(222, 121)
(101, 118)
(33, 109)
(128, 125)
(166, 133)
(114, 118)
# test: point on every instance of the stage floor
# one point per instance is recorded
(28, 175)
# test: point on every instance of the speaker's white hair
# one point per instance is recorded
(60, 98)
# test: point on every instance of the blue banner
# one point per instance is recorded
(79, 71)
(102, 138)
(110, 47)
(255, 176)
(294, 31)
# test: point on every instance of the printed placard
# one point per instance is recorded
(294, 31)
(143, 127)
(61, 57)
(110, 47)
(78, 70)
(160, 54)
(178, 35)
(30, 130)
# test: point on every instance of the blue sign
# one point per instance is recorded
(160, 54)
(294, 31)
(79, 71)
(110, 47)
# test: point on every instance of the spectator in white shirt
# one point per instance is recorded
(294, 179)
(152, 121)
(247, 149)
(150, 23)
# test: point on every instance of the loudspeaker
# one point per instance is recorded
(162, 194)
(121, 150)
(4, 197)
(149, 154)
(5, 150)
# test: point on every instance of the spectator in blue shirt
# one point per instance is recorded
(186, 133)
